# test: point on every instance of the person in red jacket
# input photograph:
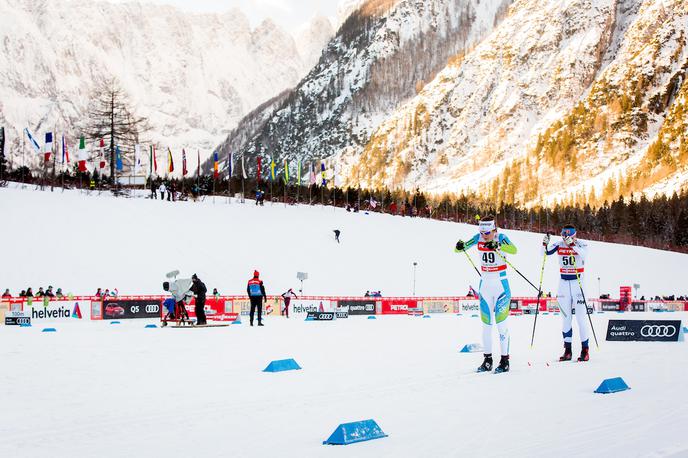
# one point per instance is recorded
(256, 293)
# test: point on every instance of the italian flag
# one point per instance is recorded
(82, 154)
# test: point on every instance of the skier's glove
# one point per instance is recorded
(460, 246)
(545, 241)
(492, 245)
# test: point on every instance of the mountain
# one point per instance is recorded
(565, 101)
(382, 55)
(312, 38)
(193, 75)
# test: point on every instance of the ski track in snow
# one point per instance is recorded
(93, 389)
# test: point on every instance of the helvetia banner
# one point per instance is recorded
(59, 310)
(114, 309)
(298, 307)
(644, 330)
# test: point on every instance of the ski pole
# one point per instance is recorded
(515, 269)
(472, 263)
(587, 312)
(537, 307)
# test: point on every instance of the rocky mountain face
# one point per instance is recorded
(195, 76)
(381, 57)
(532, 101)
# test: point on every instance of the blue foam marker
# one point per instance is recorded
(151, 326)
(49, 330)
(612, 385)
(372, 317)
(426, 316)
(358, 431)
(115, 322)
(282, 365)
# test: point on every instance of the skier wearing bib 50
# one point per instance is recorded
(494, 292)
(571, 253)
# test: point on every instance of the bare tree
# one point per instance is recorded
(111, 116)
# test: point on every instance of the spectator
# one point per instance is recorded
(216, 293)
(58, 293)
(6, 293)
(393, 208)
(154, 191)
(367, 294)
(99, 293)
(256, 293)
(287, 299)
(40, 292)
(49, 292)
(337, 233)
(29, 292)
(199, 289)
(163, 190)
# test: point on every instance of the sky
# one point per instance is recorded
(289, 14)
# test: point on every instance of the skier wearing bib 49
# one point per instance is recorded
(494, 291)
(571, 253)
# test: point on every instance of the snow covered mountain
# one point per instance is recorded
(193, 75)
(381, 57)
(561, 102)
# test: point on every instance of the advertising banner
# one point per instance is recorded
(610, 306)
(13, 318)
(300, 307)
(320, 316)
(398, 306)
(58, 310)
(447, 306)
(115, 309)
(469, 306)
(644, 330)
(354, 307)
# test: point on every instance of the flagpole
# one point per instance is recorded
(23, 158)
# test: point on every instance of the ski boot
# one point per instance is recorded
(568, 354)
(585, 355)
(503, 365)
(486, 366)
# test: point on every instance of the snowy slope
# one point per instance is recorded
(194, 75)
(80, 243)
(93, 389)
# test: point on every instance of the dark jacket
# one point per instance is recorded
(255, 288)
(199, 289)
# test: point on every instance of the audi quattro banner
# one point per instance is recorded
(58, 310)
(644, 330)
(14, 318)
(114, 309)
(320, 316)
(362, 307)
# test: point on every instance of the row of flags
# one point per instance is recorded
(82, 157)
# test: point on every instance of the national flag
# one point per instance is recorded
(322, 173)
(216, 165)
(118, 159)
(298, 173)
(65, 151)
(137, 159)
(243, 168)
(286, 171)
(82, 156)
(184, 170)
(312, 177)
(151, 161)
(170, 161)
(198, 163)
(230, 164)
(272, 168)
(260, 167)
(48, 148)
(102, 153)
(32, 140)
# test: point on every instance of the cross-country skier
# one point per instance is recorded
(287, 296)
(571, 253)
(494, 291)
(337, 233)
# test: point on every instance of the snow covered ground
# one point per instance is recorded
(78, 242)
(95, 389)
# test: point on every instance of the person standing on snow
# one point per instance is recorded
(256, 293)
(287, 299)
(572, 253)
(337, 233)
(494, 291)
(163, 190)
(199, 289)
